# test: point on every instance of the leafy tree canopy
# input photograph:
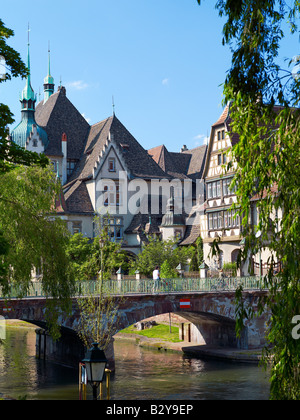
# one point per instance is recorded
(85, 256)
(265, 115)
(31, 238)
(157, 252)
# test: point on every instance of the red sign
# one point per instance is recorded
(185, 303)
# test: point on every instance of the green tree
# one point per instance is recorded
(85, 254)
(166, 271)
(113, 257)
(264, 100)
(79, 251)
(10, 153)
(99, 315)
(33, 237)
(197, 254)
(99, 309)
(156, 252)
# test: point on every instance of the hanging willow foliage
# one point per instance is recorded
(265, 115)
(34, 238)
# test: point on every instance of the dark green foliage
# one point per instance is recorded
(85, 256)
(268, 166)
(156, 252)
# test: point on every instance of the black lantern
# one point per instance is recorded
(95, 363)
(101, 242)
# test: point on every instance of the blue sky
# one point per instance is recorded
(162, 61)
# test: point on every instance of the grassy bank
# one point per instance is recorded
(159, 331)
(19, 324)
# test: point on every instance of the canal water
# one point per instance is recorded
(141, 374)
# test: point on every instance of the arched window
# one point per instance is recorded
(235, 255)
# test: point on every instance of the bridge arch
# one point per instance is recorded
(206, 326)
(213, 314)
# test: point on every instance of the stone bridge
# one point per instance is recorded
(211, 314)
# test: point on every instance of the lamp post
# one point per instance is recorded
(258, 235)
(101, 244)
(242, 245)
(95, 363)
(180, 270)
(203, 270)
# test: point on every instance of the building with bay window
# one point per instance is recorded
(223, 222)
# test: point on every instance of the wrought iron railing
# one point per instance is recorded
(147, 286)
(179, 285)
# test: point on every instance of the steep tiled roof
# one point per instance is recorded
(135, 157)
(192, 233)
(173, 164)
(140, 223)
(196, 165)
(226, 119)
(187, 164)
(77, 199)
(96, 140)
(223, 117)
(57, 116)
(162, 157)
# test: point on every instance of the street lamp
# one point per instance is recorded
(258, 235)
(95, 363)
(180, 270)
(101, 244)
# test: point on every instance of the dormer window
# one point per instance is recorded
(76, 227)
(125, 146)
(112, 165)
(71, 163)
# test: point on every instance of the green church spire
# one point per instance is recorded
(21, 133)
(28, 98)
(48, 81)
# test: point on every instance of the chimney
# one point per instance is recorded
(183, 149)
(64, 159)
(62, 89)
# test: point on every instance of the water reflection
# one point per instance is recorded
(141, 374)
(23, 376)
(165, 375)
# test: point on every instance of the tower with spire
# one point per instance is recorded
(28, 133)
(48, 81)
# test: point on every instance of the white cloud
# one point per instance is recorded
(201, 139)
(77, 85)
(165, 82)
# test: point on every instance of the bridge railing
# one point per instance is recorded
(34, 290)
(179, 285)
(147, 286)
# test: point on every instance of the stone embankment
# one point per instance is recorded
(194, 349)
(191, 349)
